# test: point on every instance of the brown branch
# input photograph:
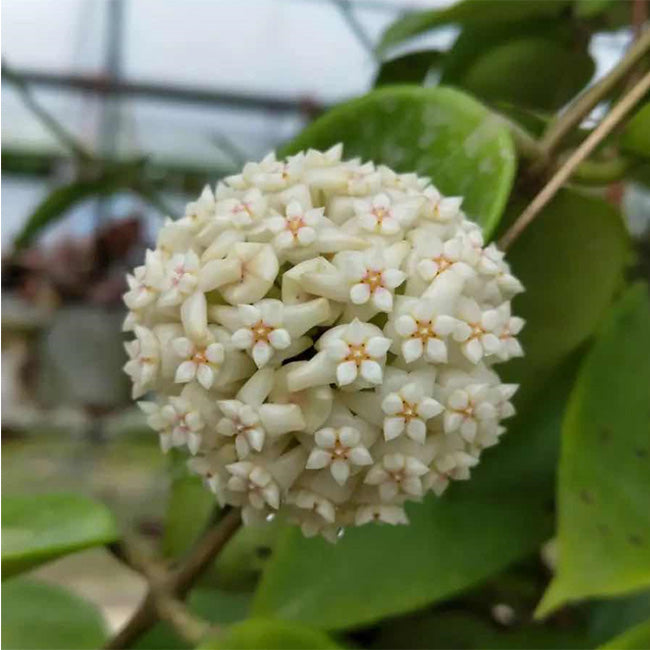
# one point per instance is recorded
(189, 627)
(585, 103)
(612, 119)
(166, 592)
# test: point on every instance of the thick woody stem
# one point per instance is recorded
(168, 589)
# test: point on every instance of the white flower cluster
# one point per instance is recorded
(320, 335)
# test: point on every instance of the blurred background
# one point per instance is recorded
(114, 114)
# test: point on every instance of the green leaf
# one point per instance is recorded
(188, 508)
(517, 62)
(604, 480)
(57, 204)
(591, 8)
(458, 629)
(410, 68)
(436, 132)
(469, 12)
(523, 71)
(637, 638)
(611, 617)
(474, 530)
(265, 634)
(39, 616)
(635, 138)
(39, 528)
(241, 562)
(571, 261)
(213, 605)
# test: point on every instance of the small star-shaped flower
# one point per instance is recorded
(338, 448)
(263, 333)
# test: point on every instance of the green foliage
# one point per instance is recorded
(524, 71)
(571, 260)
(604, 479)
(62, 199)
(455, 629)
(39, 528)
(240, 564)
(39, 616)
(635, 138)
(637, 638)
(469, 13)
(518, 63)
(266, 634)
(213, 605)
(591, 8)
(188, 508)
(410, 68)
(453, 542)
(436, 132)
(610, 618)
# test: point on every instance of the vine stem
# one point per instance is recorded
(612, 119)
(576, 112)
(167, 590)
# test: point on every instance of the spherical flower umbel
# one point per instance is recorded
(320, 335)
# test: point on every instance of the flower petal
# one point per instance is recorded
(360, 293)
(280, 339)
(262, 353)
(346, 373)
(371, 371)
(185, 372)
(393, 427)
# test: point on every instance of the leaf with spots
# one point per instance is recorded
(604, 478)
(437, 132)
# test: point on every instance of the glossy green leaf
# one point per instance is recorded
(213, 605)
(40, 616)
(437, 132)
(571, 261)
(635, 138)
(636, 638)
(474, 530)
(266, 634)
(412, 68)
(524, 70)
(469, 12)
(604, 481)
(39, 528)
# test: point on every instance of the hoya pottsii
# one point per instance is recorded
(320, 335)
